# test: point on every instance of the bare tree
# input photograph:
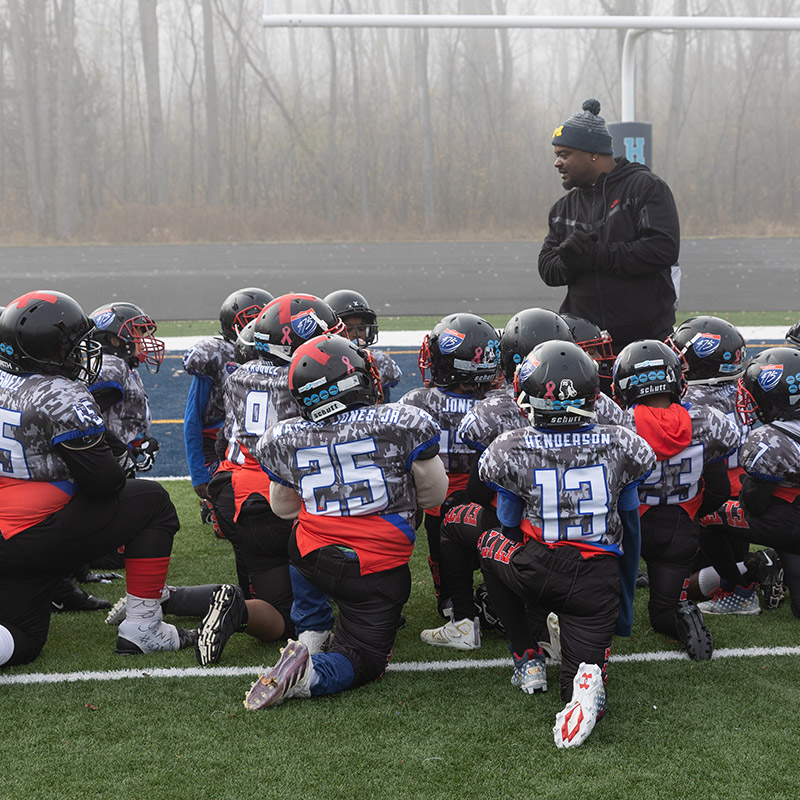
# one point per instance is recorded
(213, 157)
(66, 149)
(426, 126)
(148, 22)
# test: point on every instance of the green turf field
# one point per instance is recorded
(674, 728)
(210, 327)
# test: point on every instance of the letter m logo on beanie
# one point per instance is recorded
(558, 131)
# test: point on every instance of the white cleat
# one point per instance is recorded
(588, 704)
(315, 641)
(464, 634)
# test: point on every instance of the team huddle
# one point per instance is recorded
(533, 455)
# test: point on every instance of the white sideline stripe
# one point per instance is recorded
(34, 678)
(760, 333)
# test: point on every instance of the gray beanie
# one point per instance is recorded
(585, 131)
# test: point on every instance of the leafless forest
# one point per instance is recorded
(187, 120)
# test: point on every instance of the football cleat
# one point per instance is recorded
(68, 596)
(766, 568)
(464, 634)
(316, 641)
(152, 637)
(692, 631)
(290, 677)
(588, 704)
(227, 613)
(742, 600)
(552, 648)
(119, 610)
(642, 579)
(529, 672)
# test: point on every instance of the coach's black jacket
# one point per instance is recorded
(625, 286)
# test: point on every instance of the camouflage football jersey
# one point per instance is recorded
(568, 482)
(38, 412)
(353, 474)
(677, 480)
(448, 409)
(388, 370)
(498, 412)
(211, 357)
(256, 398)
(770, 454)
(129, 419)
(723, 398)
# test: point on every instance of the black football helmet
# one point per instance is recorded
(48, 333)
(291, 320)
(647, 367)
(239, 308)
(524, 331)
(462, 348)
(793, 335)
(244, 349)
(330, 374)
(124, 330)
(713, 348)
(769, 387)
(557, 385)
(349, 303)
(591, 337)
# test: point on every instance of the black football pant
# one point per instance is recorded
(778, 527)
(670, 539)
(220, 491)
(369, 606)
(458, 553)
(262, 538)
(141, 517)
(584, 592)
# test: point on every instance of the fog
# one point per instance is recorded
(187, 120)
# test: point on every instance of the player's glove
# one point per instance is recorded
(145, 453)
(577, 251)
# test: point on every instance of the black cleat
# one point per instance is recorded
(642, 579)
(692, 631)
(765, 567)
(226, 615)
(68, 596)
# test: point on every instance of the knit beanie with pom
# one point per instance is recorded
(585, 131)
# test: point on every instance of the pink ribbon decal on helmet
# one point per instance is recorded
(478, 354)
(550, 386)
(287, 335)
(346, 362)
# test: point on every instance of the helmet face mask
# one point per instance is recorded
(769, 387)
(244, 349)
(595, 341)
(644, 368)
(239, 308)
(124, 330)
(713, 349)
(355, 312)
(462, 349)
(48, 333)
(524, 331)
(557, 385)
(330, 374)
(290, 321)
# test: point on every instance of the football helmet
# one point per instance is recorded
(239, 308)
(644, 368)
(124, 330)
(244, 349)
(524, 331)
(330, 374)
(793, 335)
(291, 320)
(462, 348)
(769, 387)
(713, 348)
(591, 337)
(47, 332)
(557, 385)
(348, 303)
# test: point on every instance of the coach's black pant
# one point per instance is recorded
(369, 605)
(584, 592)
(141, 517)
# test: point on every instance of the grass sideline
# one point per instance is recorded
(674, 729)
(739, 318)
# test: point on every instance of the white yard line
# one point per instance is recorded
(35, 678)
